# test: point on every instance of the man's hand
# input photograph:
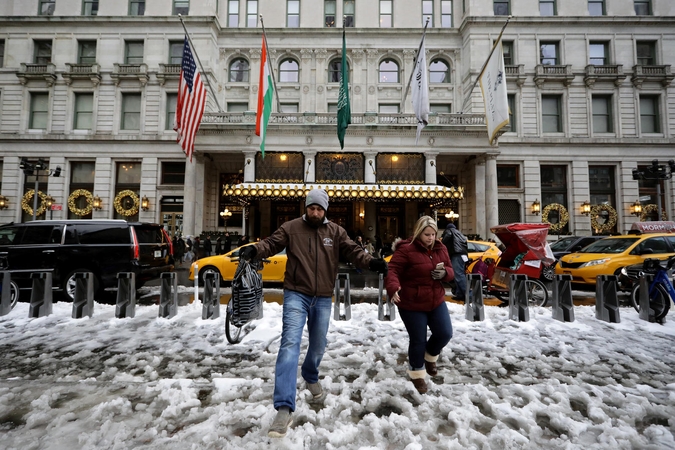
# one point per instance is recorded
(438, 274)
(379, 265)
(248, 253)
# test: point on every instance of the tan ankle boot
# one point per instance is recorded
(418, 379)
(430, 364)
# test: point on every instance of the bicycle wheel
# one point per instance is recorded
(659, 300)
(538, 294)
(232, 332)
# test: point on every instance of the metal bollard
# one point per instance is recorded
(168, 295)
(518, 298)
(473, 303)
(646, 310)
(83, 303)
(563, 306)
(211, 303)
(41, 295)
(384, 303)
(337, 310)
(6, 293)
(126, 295)
(606, 300)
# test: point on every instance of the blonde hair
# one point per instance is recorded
(422, 223)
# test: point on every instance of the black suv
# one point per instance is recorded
(103, 247)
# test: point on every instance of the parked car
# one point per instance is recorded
(225, 265)
(609, 255)
(571, 244)
(102, 247)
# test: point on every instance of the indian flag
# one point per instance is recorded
(265, 95)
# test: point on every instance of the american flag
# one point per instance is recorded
(191, 102)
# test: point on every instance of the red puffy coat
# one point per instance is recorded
(410, 269)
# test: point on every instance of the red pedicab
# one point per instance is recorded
(526, 253)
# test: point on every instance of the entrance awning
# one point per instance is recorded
(366, 192)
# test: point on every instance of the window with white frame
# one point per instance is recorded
(428, 12)
(293, 13)
(649, 114)
(86, 52)
(239, 70)
(89, 7)
(251, 13)
(598, 53)
(446, 13)
(548, 53)
(439, 71)
(551, 113)
(131, 111)
(289, 71)
(171, 101)
(389, 71)
(386, 13)
(602, 114)
(83, 117)
(39, 111)
(233, 13)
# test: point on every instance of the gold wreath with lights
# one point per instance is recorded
(652, 208)
(611, 219)
(563, 217)
(26, 203)
(77, 194)
(118, 203)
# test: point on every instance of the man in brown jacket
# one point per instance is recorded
(314, 246)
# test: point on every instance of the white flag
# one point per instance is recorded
(493, 86)
(420, 92)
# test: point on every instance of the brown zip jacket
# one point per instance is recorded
(313, 254)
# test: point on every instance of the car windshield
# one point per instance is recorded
(610, 245)
(563, 244)
(475, 247)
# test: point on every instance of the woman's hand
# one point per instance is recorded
(438, 274)
(395, 298)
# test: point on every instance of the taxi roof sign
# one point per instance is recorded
(654, 227)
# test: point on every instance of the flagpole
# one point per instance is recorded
(412, 72)
(269, 63)
(468, 97)
(194, 51)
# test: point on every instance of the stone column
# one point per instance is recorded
(491, 195)
(479, 186)
(249, 167)
(189, 197)
(430, 168)
(310, 166)
(370, 169)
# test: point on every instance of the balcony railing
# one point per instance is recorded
(130, 72)
(82, 72)
(516, 73)
(42, 71)
(168, 72)
(356, 119)
(607, 72)
(660, 74)
(545, 72)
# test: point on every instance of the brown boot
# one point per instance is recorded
(417, 377)
(430, 364)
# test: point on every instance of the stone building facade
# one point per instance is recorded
(90, 86)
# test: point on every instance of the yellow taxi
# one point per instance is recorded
(477, 250)
(225, 265)
(607, 256)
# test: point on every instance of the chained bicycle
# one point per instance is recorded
(246, 303)
(661, 290)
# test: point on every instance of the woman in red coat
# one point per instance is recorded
(416, 270)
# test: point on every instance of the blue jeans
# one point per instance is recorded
(300, 308)
(459, 267)
(416, 322)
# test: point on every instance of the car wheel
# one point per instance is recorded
(69, 284)
(548, 272)
(209, 269)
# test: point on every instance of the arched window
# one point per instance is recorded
(289, 71)
(239, 70)
(389, 71)
(439, 71)
(335, 70)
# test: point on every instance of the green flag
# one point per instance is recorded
(344, 113)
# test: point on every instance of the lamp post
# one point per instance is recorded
(656, 172)
(226, 215)
(49, 201)
(34, 169)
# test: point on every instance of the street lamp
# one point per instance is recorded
(30, 168)
(586, 208)
(536, 207)
(656, 172)
(49, 201)
(226, 215)
(636, 208)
